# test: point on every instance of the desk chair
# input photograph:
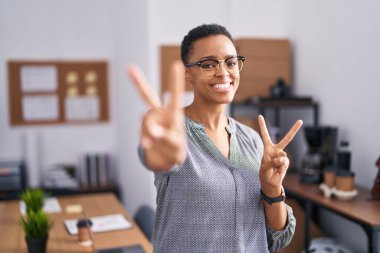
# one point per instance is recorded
(145, 220)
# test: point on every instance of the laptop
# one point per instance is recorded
(126, 249)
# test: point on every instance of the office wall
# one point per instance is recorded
(336, 60)
(133, 46)
(116, 31)
(58, 30)
(335, 49)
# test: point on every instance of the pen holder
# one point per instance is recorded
(84, 232)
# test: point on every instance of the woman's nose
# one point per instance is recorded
(222, 70)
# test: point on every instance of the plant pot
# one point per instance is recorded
(36, 245)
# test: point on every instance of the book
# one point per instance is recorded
(96, 170)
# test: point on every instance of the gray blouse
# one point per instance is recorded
(211, 203)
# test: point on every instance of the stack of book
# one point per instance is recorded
(96, 170)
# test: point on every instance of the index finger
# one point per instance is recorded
(177, 85)
(264, 131)
(143, 87)
(290, 135)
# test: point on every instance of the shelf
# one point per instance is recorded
(82, 190)
(277, 104)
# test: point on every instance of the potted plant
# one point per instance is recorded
(36, 223)
(36, 226)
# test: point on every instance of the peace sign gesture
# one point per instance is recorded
(162, 131)
(275, 162)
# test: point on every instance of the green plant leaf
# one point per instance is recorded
(36, 224)
(33, 199)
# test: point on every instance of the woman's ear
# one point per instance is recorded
(187, 75)
(188, 80)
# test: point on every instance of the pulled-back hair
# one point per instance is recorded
(200, 32)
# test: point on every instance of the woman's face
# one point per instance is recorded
(219, 88)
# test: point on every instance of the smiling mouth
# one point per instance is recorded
(222, 86)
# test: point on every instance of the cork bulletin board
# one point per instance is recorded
(57, 92)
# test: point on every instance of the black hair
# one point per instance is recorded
(200, 32)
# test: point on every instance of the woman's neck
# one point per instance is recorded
(212, 117)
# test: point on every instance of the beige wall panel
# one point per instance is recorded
(267, 60)
(264, 47)
(169, 53)
(266, 68)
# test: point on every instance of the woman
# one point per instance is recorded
(219, 186)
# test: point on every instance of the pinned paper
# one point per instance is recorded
(91, 90)
(43, 107)
(91, 77)
(39, 78)
(82, 108)
(72, 77)
(72, 91)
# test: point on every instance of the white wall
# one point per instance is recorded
(336, 60)
(56, 30)
(133, 46)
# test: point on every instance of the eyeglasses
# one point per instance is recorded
(209, 67)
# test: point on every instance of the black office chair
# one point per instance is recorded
(145, 220)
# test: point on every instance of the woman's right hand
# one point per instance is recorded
(162, 130)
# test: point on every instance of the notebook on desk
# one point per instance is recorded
(103, 223)
(126, 249)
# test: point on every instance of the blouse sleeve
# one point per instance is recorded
(141, 153)
(278, 239)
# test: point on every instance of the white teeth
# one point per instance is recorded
(222, 86)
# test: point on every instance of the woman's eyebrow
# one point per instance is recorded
(209, 57)
(213, 57)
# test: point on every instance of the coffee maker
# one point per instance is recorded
(321, 142)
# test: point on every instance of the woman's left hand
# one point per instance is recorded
(275, 161)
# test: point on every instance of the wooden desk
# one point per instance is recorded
(360, 210)
(12, 237)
